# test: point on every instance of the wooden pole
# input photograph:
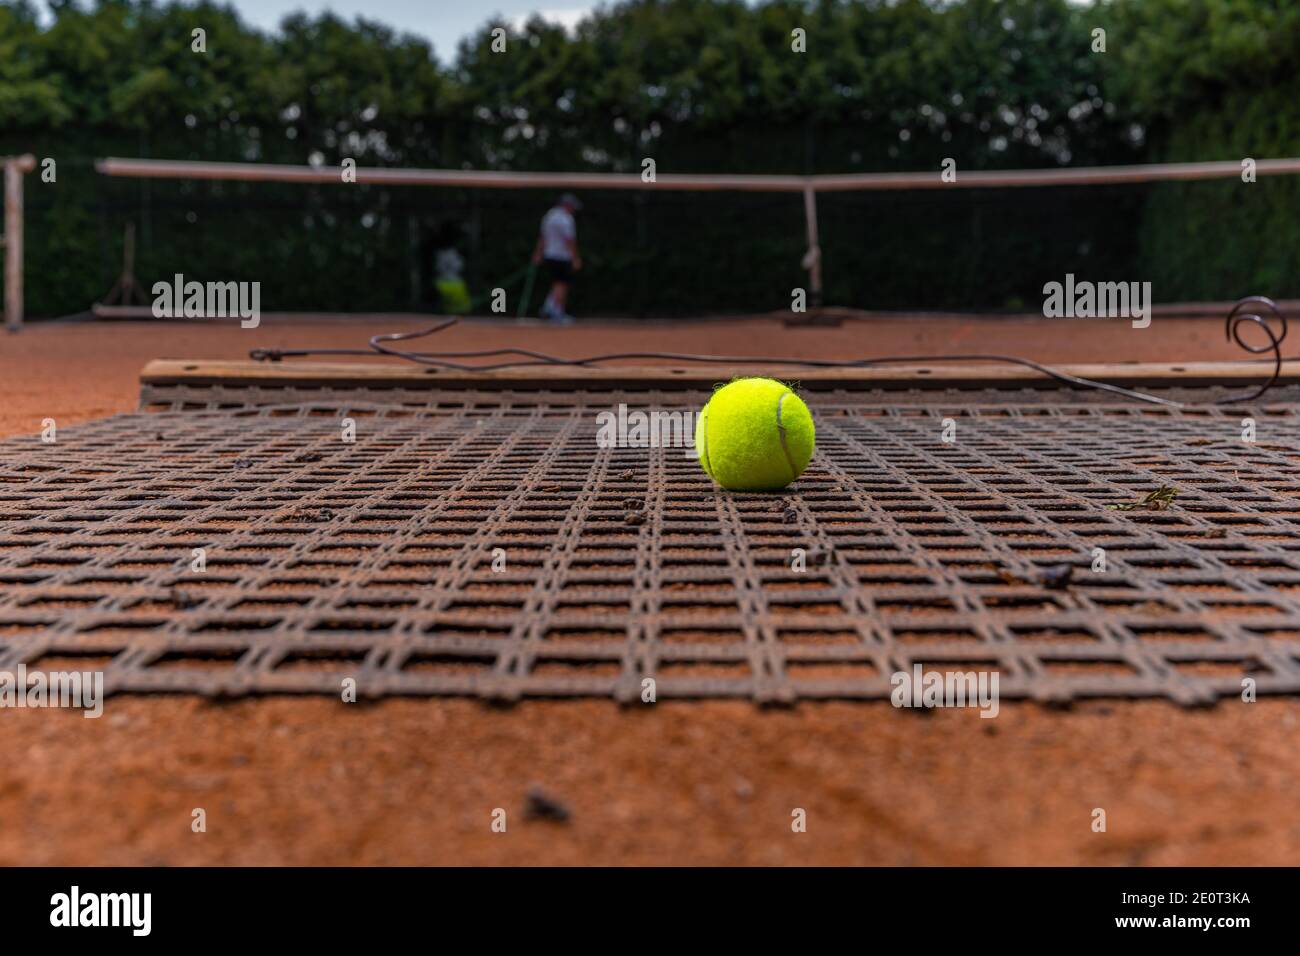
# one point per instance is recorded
(812, 260)
(974, 179)
(13, 239)
(468, 178)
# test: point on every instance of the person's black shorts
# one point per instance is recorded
(561, 270)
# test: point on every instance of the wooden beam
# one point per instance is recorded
(201, 372)
(14, 167)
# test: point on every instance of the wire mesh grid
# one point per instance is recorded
(483, 544)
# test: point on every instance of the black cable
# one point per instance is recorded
(533, 359)
(1232, 331)
(439, 360)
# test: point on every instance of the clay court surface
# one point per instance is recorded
(311, 781)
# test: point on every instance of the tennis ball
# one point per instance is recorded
(754, 435)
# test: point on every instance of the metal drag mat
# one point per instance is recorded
(375, 559)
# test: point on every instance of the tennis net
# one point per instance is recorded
(682, 245)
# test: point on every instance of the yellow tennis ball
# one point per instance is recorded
(754, 435)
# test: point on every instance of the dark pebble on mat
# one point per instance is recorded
(540, 805)
(1057, 577)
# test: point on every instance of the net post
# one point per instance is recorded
(15, 167)
(812, 260)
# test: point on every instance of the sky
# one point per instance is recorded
(443, 22)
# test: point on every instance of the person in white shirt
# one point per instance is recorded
(557, 247)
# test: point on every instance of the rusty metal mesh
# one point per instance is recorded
(374, 559)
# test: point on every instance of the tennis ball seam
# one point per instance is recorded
(707, 469)
(780, 429)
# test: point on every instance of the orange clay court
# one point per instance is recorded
(288, 779)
